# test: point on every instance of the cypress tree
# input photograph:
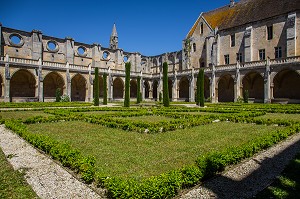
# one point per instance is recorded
(127, 85)
(138, 98)
(104, 89)
(57, 95)
(201, 74)
(96, 87)
(166, 99)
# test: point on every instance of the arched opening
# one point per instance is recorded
(170, 85)
(52, 82)
(101, 89)
(147, 89)
(206, 87)
(155, 85)
(118, 88)
(286, 84)
(254, 83)
(184, 88)
(133, 89)
(78, 88)
(22, 84)
(225, 89)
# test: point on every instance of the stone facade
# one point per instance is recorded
(239, 47)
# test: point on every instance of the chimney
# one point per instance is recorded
(232, 3)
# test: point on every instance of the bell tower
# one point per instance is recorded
(113, 43)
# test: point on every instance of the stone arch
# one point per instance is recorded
(286, 84)
(22, 84)
(52, 81)
(226, 88)
(78, 88)
(254, 83)
(147, 89)
(184, 86)
(118, 88)
(155, 87)
(133, 88)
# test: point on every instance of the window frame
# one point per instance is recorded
(226, 59)
(239, 57)
(232, 40)
(278, 52)
(260, 53)
(270, 32)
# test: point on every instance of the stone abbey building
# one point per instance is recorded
(249, 45)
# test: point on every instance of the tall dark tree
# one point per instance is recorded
(58, 95)
(96, 87)
(104, 89)
(139, 97)
(166, 99)
(200, 88)
(127, 85)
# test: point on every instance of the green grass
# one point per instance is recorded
(150, 119)
(294, 117)
(12, 183)
(22, 114)
(120, 153)
(287, 185)
(43, 104)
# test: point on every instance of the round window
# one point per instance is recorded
(16, 39)
(52, 46)
(125, 59)
(106, 55)
(81, 51)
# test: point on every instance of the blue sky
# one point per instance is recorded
(149, 27)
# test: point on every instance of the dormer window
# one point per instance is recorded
(270, 32)
(232, 39)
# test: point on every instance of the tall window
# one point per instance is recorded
(194, 47)
(262, 54)
(226, 58)
(278, 52)
(270, 32)
(232, 39)
(201, 28)
(239, 57)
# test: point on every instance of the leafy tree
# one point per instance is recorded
(96, 87)
(127, 85)
(200, 88)
(246, 96)
(104, 89)
(166, 99)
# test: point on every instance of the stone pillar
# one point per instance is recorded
(213, 85)
(68, 81)
(37, 44)
(90, 83)
(150, 89)
(192, 87)
(291, 35)
(237, 83)
(40, 82)
(110, 86)
(267, 83)
(248, 44)
(7, 80)
(70, 50)
(174, 87)
(160, 85)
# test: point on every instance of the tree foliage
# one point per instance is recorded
(166, 99)
(104, 89)
(200, 88)
(96, 87)
(127, 85)
(139, 97)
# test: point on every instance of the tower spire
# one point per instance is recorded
(114, 38)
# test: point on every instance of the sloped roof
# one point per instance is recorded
(247, 11)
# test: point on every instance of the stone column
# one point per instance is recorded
(68, 81)
(192, 87)
(40, 82)
(90, 94)
(150, 89)
(267, 83)
(160, 85)
(237, 83)
(7, 80)
(174, 88)
(248, 44)
(213, 85)
(110, 86)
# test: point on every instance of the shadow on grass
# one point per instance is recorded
(257, 180)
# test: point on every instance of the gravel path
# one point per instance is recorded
(246, 179)
(47, 178)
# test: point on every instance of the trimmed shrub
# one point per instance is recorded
(104, 89)
(166, 100)
(139, 96)
(200, 89)
(127, 85)
(96, 87)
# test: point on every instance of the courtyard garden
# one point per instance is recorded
(150, 151)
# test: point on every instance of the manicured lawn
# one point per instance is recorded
(151, 118)
(12, 183)
(287, 185)
(294, 117)
(22, 114)
(121, 153)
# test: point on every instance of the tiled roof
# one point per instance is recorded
(247, 11)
